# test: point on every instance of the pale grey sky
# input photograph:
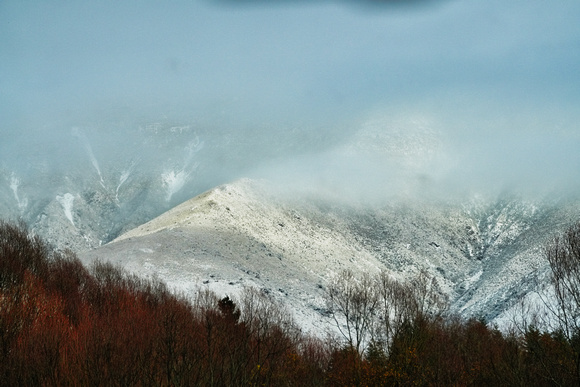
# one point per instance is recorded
(498, 79)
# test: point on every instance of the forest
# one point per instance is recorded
(62, 323)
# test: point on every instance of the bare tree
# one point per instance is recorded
(403, 302)
(428, 298)
(352, 301)
(563, 254)
(396, 305)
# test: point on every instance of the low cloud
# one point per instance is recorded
(460, 97)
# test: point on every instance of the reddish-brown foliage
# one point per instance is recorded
(63, 324)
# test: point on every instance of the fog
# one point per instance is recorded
(360, 99)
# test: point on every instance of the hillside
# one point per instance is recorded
(485, 255)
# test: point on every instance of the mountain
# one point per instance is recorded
(385, 193)
(485, 255)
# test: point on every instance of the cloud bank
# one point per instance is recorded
(462, 96)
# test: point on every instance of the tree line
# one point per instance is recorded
(62, 323)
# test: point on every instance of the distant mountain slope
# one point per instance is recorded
(485, 255)
(86, 185)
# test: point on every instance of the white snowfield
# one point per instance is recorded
(67, 201)
(484, 257)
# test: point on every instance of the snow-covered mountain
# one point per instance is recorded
(485, 255)
(380, 195)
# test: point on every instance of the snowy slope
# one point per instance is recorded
(235, 236)
(484, 255)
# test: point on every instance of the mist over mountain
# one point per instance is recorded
(288, 87)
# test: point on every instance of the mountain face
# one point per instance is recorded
(113, 197)
(485, 255)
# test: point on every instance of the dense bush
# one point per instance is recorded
(64, 324)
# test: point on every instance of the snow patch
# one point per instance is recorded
(173, 182)
(14, 183)
(76, 132)
(124, 176)
(532, 309)
(175, 179)
(66, 201)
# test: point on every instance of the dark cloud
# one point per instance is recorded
(363, 3)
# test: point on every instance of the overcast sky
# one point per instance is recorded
(500, 80)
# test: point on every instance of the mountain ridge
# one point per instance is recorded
(485, 256)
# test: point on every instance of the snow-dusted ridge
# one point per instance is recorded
(235, 236)
(242, 234)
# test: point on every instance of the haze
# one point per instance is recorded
(356, 98)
